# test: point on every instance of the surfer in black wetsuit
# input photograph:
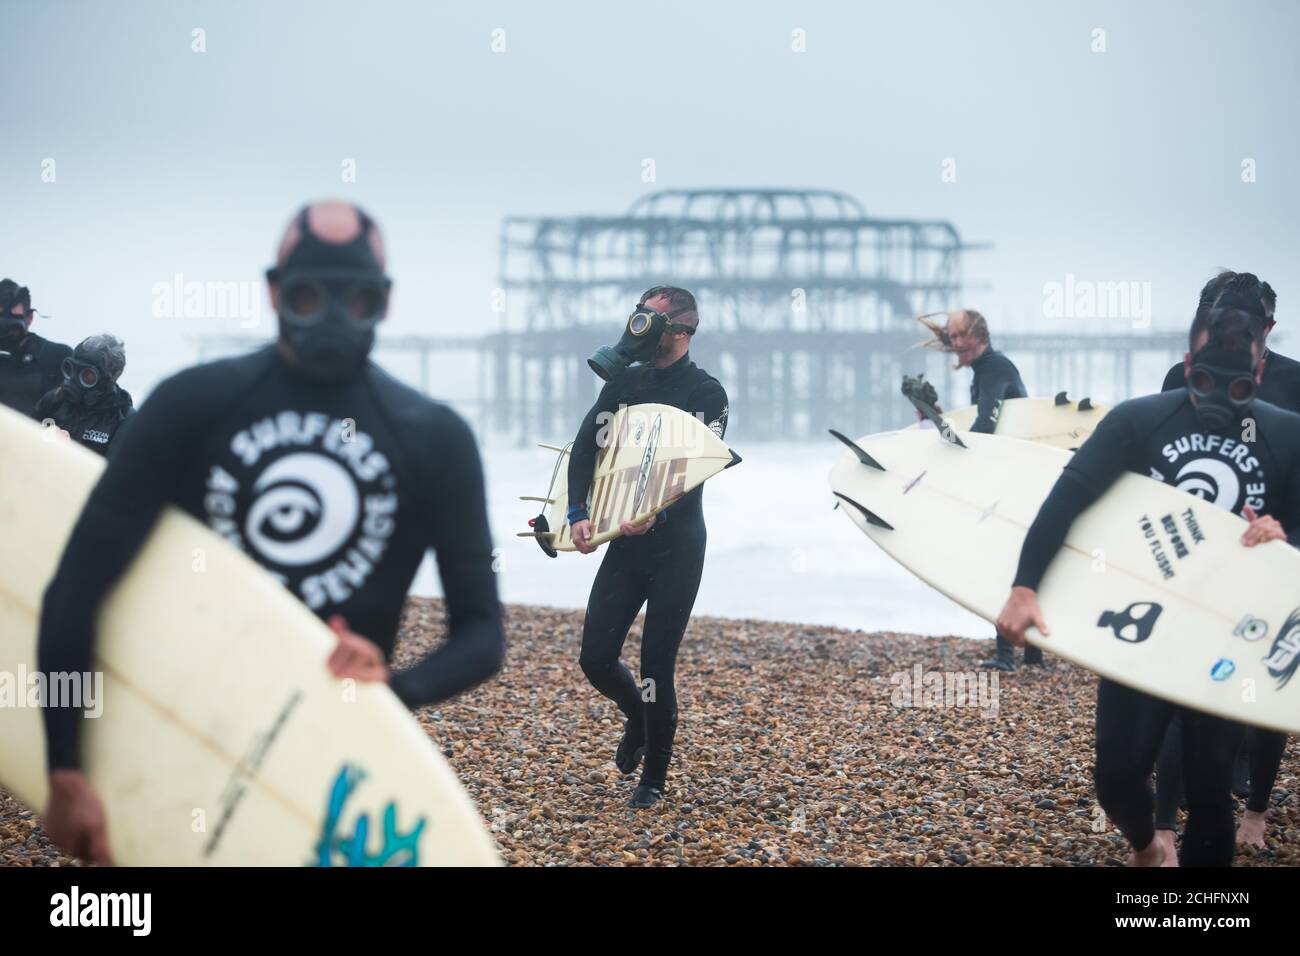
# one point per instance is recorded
(1280, 381)
(90, 407)
(996, 379)
(1260, 755)
(1174, 437)
(29, 365)
(657, 563)
(333, 476)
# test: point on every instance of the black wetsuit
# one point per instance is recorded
(30, 370)
(660, 569)
(94, 426)
(338, 490)
(997, 378)
(1262, 749)
(1159, 436)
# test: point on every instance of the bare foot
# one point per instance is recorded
(1166, 840)
(1153, 854)
(1251, 830)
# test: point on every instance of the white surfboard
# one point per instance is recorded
(653, 456)
(223, 739)
(1152, 588)
(1057, 421)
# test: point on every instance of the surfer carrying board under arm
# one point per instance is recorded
(966, 336)
(1260, 755)
(333, 476)
(1235, 449)
(657, 563)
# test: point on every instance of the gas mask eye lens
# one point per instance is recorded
(304, 298)
(86, 375)
(1201, 382)
(365, 302)
(1241, 390)
(640, 323)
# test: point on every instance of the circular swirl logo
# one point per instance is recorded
(1210, 479)
(304, 508)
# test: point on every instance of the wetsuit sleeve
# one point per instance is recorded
(1174, 379)
(1093, 468)
(993, 389)
(1068, 499)
(712, 407)
(1106, 454)
(116, 519)
(475, 645)
(582, 456)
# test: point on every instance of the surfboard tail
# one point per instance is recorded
(872, 518)
(542, 531)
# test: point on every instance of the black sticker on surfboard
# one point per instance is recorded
(1168, 542)
(1132, 625)
(1284, 655)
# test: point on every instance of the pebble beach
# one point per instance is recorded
(797, 745)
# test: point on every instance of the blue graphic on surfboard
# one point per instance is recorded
(336, 848)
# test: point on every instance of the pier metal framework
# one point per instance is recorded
(807, 309)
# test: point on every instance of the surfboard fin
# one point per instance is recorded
(735, 460)
(859, 451)
(1085, 404)
(1061, 399)
(946, 431)
(541, 531)
(872, 517)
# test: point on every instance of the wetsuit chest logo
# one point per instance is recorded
(1217, 469)
(309, 498)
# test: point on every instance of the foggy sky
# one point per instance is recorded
(1115, 166)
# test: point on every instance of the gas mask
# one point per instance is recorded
(82, 384)
(13, 326)
(640, 340)
(91, 372)
(331, 298)
(13, 329)
(1224, 384)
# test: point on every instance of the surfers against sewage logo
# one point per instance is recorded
(310, 498)
(1220, 470)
